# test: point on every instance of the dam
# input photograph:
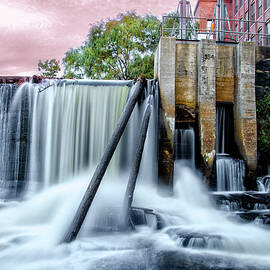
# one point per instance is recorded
(205, 84)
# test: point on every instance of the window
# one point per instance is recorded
(236, 6)
(260, 37)
(236, 30)
(252, 12)
(259, 8)
(268, 33)
(246, 20)
(253, 39)
(241, 26)
(240, 3)
(267, 4)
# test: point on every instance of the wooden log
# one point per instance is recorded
(93, 186)
(125, 220)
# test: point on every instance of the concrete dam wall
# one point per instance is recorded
(195, 78)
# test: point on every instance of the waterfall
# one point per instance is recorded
(230, 172)
(71, 126)
(58, 130)
(14, 136)
(185, 145)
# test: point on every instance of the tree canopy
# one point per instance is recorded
(120, 48)
(49, 68)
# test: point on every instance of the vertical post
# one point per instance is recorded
(221, 21)
(184, 18)
(207, 102)
(165, 72)
(245, 109)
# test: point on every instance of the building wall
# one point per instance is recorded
(253, 27)
(205, 8)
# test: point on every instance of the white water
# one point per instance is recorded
(70, 127)
(230, 174)
(13, 140)
(185, 145)
(31, 230)
(263, 183)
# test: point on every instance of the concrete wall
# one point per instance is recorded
(193, 76)
(225, 71)
(186, 82)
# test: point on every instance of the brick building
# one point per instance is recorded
(246, 14)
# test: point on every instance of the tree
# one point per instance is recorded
(121, 48)
(263, 122)
(49, 68)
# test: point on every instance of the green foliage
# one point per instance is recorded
(121, 48)
(171, 27)
(263, 122)
(49, 68)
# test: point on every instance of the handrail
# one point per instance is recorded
(249, 29)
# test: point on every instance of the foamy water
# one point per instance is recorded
(31, 230)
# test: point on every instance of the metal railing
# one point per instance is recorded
(196, 28)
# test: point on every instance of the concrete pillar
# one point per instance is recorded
(207, 102)
(225, 72)
(245, 108)
(186, 82)
(165, 72)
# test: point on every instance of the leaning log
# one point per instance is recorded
(135, 169)
(93, 186)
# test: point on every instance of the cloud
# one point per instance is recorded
(37, 29)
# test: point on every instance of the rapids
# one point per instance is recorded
(31, 230)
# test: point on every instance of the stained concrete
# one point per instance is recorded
(207, 102)
(186, 81)
(245, 106)
(225, 71)
(165, 72)
(193, 76)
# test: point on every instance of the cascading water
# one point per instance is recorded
(185, 145)
(14, 136)
(230, 172)
(71, 126)
(194, 234)
(6, 94)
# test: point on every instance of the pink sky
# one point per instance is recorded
(42, 29)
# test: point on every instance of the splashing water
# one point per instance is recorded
(30, 230)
